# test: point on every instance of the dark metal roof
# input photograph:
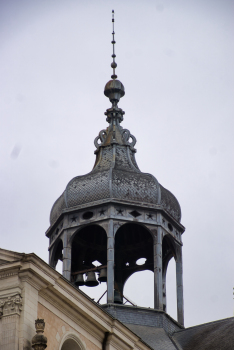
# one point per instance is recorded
(115, 175)
(156, 338)
(216, 335)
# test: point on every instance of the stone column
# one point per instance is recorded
(110, 262)
(10, 309)
(179, 286)
(158, 299)
(67, 255)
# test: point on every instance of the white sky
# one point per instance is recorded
(175, 59)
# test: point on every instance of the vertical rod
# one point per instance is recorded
(113, 40)
(164, 290)
(113, 64)
(179, 286)
(110, 263)
(158, 299)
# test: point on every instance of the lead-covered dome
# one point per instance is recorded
(115, 175)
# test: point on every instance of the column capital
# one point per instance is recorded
(10, 305)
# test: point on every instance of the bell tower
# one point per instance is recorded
(116, 215)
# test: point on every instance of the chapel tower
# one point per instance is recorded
(116, 215)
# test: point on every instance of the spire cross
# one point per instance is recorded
(113, 64)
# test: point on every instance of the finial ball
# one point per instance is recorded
(113, 65)
(114, 89)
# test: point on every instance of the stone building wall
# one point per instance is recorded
(59, 328)
(30, 289)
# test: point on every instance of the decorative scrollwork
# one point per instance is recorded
(126, 135)
(102, 137)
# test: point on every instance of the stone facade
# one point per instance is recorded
(31, 289)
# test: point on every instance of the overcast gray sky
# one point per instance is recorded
(175, 59)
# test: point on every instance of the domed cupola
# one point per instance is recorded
(115, 174)
(115, 200)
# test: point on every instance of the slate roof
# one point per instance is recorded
(156, 338)
(161, 332)
(217, 335)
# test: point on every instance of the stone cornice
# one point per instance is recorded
(8, 256)
(57, 291)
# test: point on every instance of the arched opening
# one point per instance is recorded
(143, 283)
(89, 260)
(57, 256)
(132, 242)
(168, 280)
(70, 344)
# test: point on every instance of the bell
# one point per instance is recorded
(117, 297)
(91, 279)
(79, 281)
(103, 275)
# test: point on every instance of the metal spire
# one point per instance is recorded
(114, 89)
(113, 64)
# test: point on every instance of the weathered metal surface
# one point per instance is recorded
(117, 214)
(115, 176)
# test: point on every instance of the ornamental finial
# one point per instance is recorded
(114, 89)
(113, 64)
(39, 341)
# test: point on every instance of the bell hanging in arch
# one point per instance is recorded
(79, 281)
(91, 279)
(103, 275)
(117, 297)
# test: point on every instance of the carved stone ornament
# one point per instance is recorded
(39, 341)
(10, 305)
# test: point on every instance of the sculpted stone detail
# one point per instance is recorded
(5, 275)
(39, 341)
(10, 305)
